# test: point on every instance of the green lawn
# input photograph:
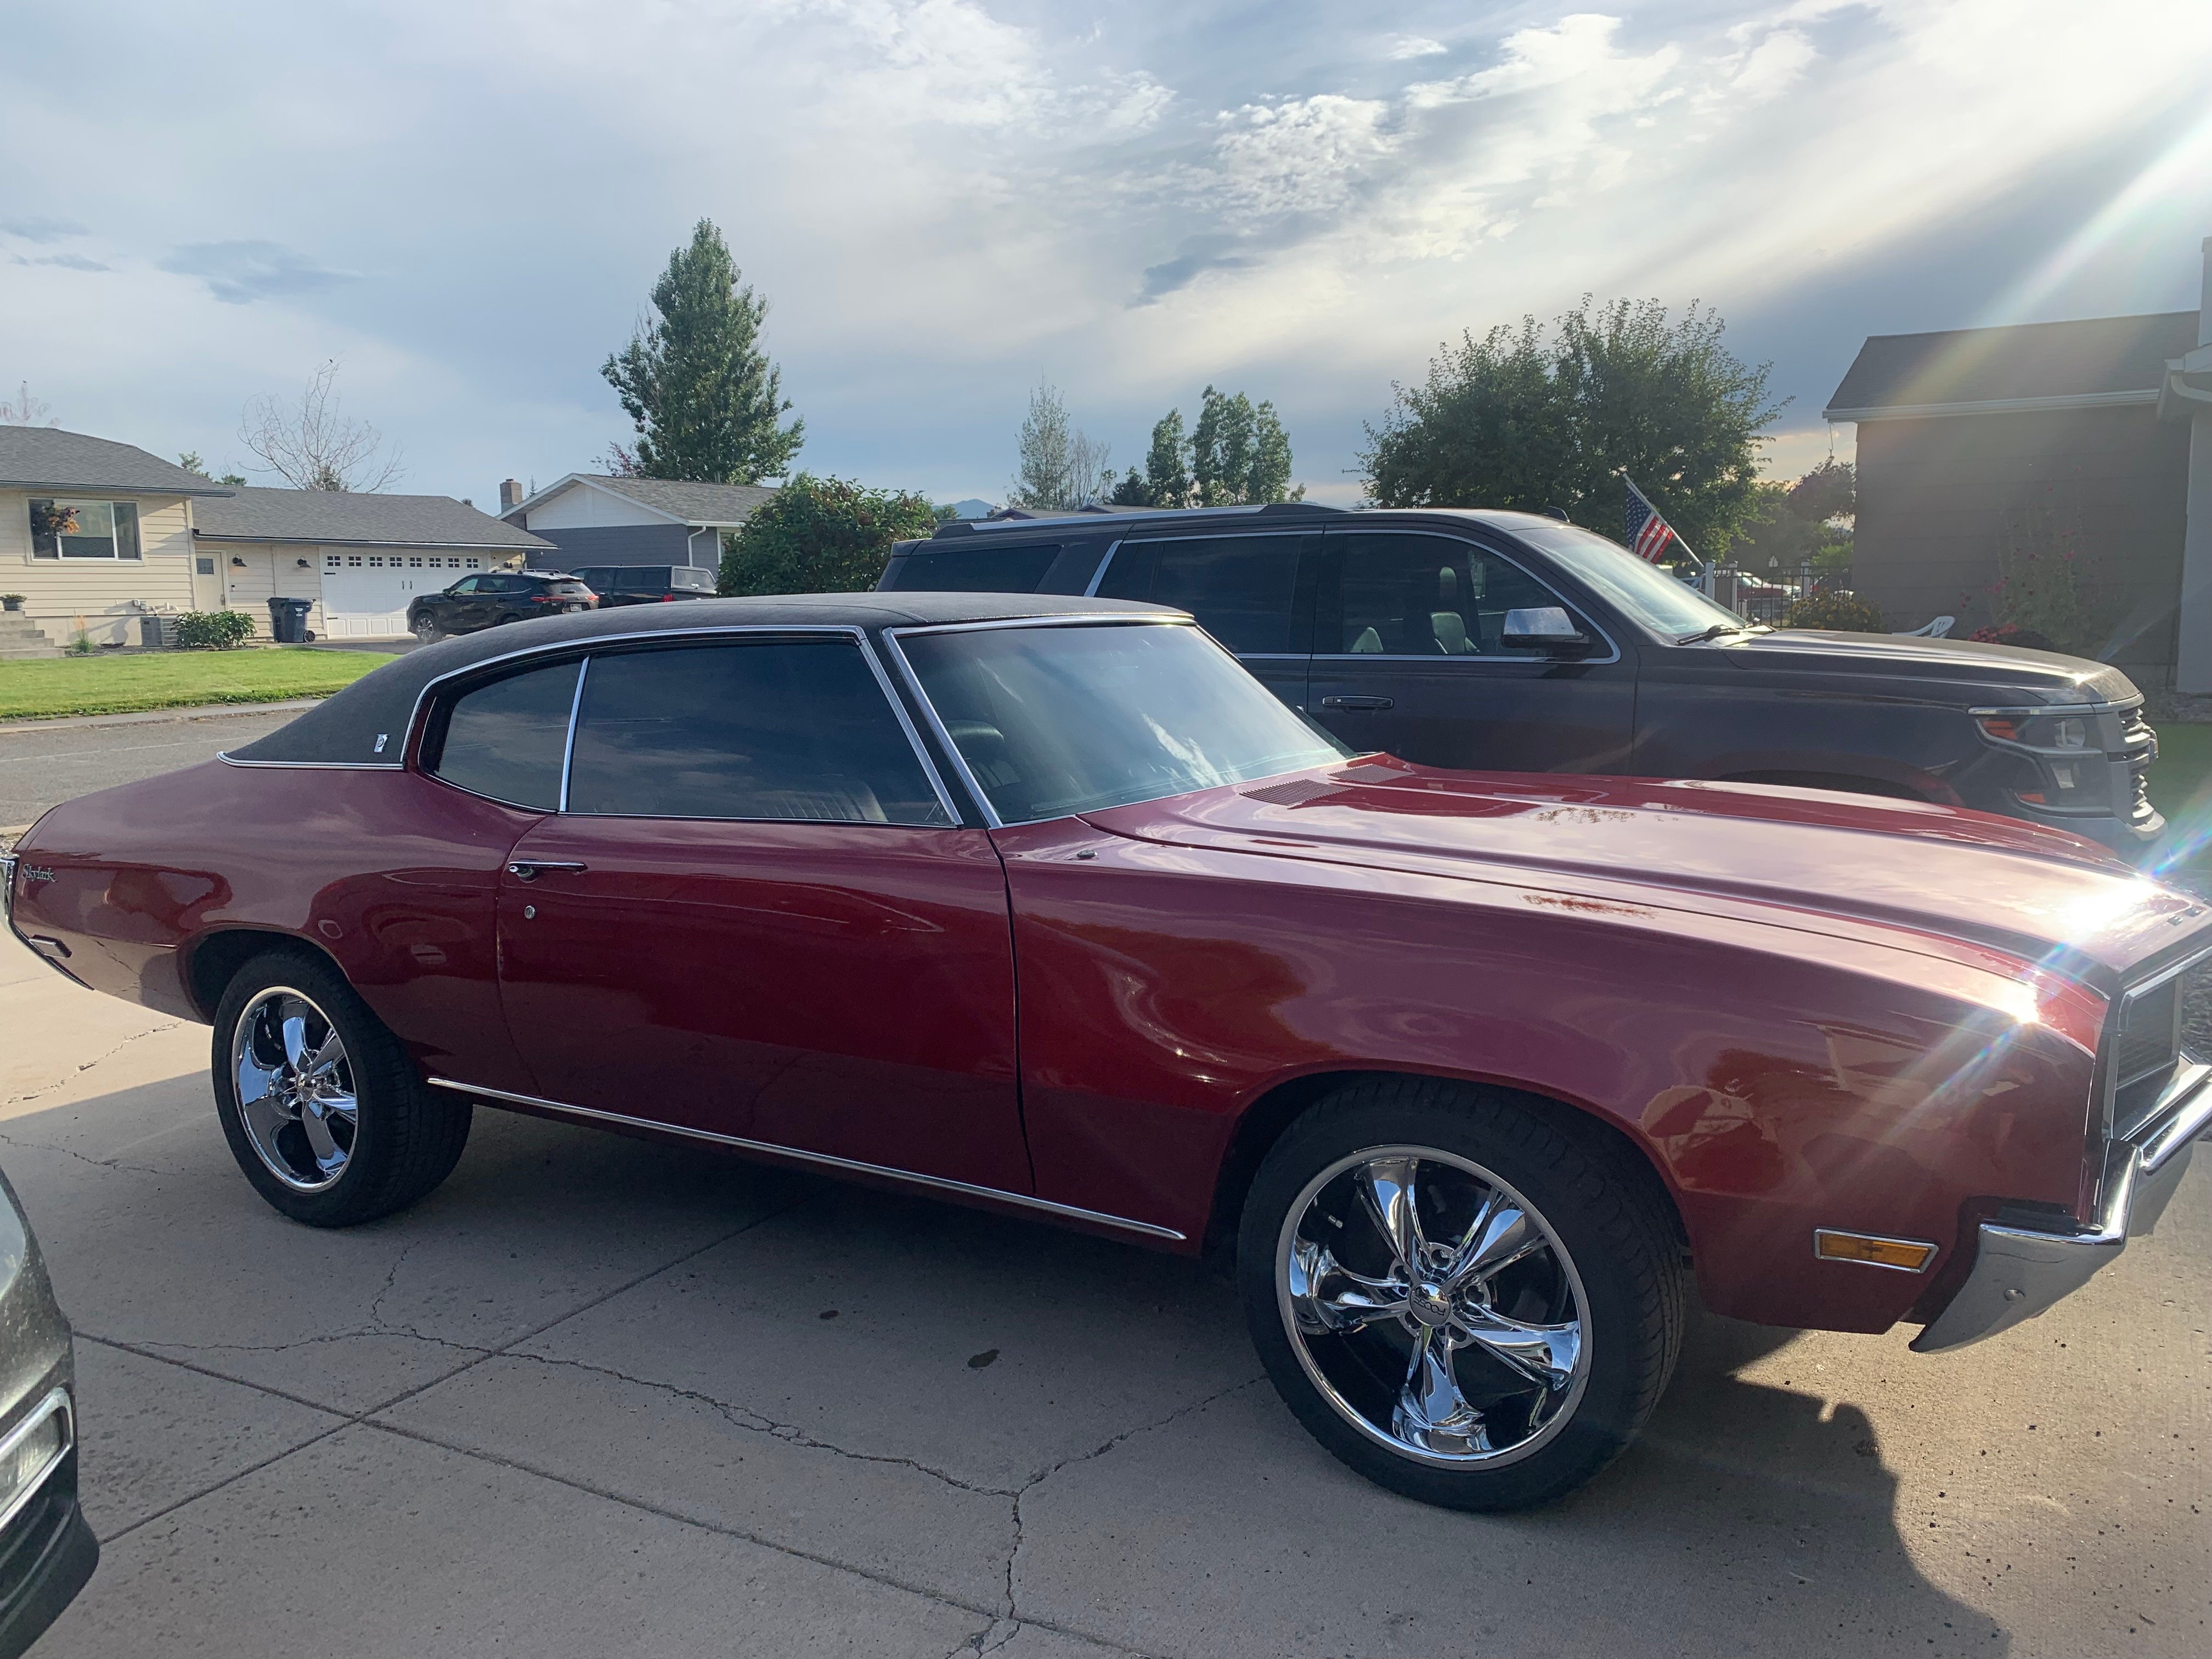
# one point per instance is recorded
(2181, 787)
(179, 679)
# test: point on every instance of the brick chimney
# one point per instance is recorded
(510, 494)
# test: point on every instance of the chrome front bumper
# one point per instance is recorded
(2020, 1270)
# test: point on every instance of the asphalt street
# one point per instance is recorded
(42, 765)
(600, 1396)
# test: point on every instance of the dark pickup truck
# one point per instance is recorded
(1510, 642)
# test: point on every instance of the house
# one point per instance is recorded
(1979, 447)
(592, 519)
(94, 534)
(360, 558)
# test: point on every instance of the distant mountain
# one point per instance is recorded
(974, 508)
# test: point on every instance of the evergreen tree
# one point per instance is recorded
(704, 396)
(1238, 454)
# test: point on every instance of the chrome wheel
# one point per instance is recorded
(295, 1089)
(1433, 1306)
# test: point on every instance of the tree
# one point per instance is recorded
(821, 536)
(1057, 467)
(27, 410)
(190, 460)
(1806, 523)
(703, 394)
(1237, 454)
(315, 445)
(1536, 420)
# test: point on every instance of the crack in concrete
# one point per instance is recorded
(1014, 1555)
(151, 1030)
(70, 1151)
(155, 1348)
(743, 1417)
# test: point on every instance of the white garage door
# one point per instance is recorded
(367, 594)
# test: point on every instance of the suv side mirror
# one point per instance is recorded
(1548, 629)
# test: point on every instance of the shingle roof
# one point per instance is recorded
(332, 515)
(44, 457)
(694, 504)
(2099, 360)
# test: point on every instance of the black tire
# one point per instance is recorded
(426, 631)
(406, 1137)
(1622, 1264)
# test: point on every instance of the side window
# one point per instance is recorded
(507, 739)
(965, 567)
(646, 579)
(1427, 596)
(787, 729)
(1240, 588)
(466, 585)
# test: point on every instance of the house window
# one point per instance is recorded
(65, 529)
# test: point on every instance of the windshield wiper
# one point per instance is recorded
(1717, 629)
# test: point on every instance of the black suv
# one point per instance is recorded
(645, 584)
(1506, 641)
(489, 598)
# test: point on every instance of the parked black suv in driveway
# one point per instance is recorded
(1507, 641)
(492, 597)
(645, 584)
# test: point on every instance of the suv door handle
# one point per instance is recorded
(530, 869)
(1359, 702)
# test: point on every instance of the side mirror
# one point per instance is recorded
(1548, 629)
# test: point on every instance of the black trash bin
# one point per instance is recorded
(287, 619)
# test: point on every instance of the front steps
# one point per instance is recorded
(21, 639)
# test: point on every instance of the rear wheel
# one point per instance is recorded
(324, 1111)
(1461, 1299)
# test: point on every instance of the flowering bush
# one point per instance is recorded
(2050, 584)
(2027, 639)
(212, 630)
(1846, 612)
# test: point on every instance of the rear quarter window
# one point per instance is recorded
(965, 568)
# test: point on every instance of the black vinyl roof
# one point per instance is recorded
(366, 724)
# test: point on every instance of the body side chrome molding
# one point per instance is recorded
(314, 766)
(827, 1161)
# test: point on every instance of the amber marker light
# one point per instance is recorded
(1905, 1254)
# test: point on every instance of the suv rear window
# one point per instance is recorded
(966, 569)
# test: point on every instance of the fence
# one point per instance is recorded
(1766, 596)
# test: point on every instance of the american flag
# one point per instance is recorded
(1648, 533)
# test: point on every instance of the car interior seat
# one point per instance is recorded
(1445, 622)
(1366, 642)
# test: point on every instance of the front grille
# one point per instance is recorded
(2149, 1030)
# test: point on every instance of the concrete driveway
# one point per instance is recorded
(597, 1396)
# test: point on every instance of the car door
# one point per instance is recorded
(453, 609)
(756, 917)
(1409, 659)
(1251, 591)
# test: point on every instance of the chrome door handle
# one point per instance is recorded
(530, 869)
(1359, 702)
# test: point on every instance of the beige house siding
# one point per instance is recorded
(269, 570)
(109, 595)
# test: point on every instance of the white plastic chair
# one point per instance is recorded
(1935, 631)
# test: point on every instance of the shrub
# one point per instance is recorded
(1846, 612)
(821, 536)
(2027, 639)
(212, 630)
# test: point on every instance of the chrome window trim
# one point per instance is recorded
(501, 800)
(316, 766)
(858, 634)
(56, 1400)
(1104, 565)
(1611, 645)
(893, 635)
(568, 743)
(940, 1184)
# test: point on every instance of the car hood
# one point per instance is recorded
(2035, 676)
(1798, 857)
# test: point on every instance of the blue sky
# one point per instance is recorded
(946, 200)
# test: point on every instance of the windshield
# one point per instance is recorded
(1053, 720)
(1646, 592)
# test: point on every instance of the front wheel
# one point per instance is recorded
(427, 631)
(324, 1112)
(1460, 1297)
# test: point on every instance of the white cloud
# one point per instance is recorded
(944, 198)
